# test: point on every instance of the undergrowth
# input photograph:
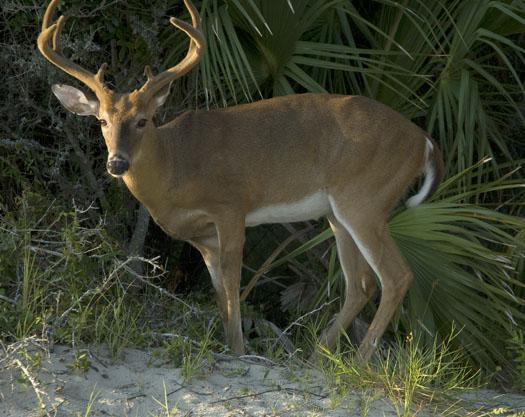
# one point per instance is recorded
(64, 280)
(412, 376)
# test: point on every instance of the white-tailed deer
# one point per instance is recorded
(206, 175)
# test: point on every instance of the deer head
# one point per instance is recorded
(124, 118)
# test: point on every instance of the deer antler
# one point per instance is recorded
(195, 53)
(52, 53)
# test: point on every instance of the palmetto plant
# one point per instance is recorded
(464, 258)
(454, 68)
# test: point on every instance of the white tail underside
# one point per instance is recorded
(429, 178)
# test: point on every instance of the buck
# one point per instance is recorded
(207, 175)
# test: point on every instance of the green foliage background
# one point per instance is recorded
(455, 68)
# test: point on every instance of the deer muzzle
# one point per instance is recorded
(117, 165)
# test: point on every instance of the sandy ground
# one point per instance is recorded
(141, 385)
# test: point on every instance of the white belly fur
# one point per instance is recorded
(308, 208)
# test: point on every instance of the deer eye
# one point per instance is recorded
(103, 122)
(142, 122)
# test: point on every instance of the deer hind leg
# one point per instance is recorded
(359, 280)
(370, 233)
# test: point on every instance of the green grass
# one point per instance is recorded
(412, 376)
(92, 398)
(166, 409)
(193, 357)
(516, 347)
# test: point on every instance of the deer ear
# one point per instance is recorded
(161, 97)
(75, 100)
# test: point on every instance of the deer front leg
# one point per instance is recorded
(209, 249)
(231, 243)
(222, 254)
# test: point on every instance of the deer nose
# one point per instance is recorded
(117, 165)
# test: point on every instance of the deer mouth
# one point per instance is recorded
(117, 166)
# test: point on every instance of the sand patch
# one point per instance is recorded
(142, 384)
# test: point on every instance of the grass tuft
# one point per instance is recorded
(413, 376)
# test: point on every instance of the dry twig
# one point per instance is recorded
(267, 263)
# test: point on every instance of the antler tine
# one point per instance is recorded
(195, 53)
(53, 55)
(48, 14)
(56, 34)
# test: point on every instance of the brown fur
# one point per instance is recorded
(204, 172)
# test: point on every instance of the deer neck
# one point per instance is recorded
(148, 177)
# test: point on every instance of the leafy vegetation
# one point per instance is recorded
(455, 68)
